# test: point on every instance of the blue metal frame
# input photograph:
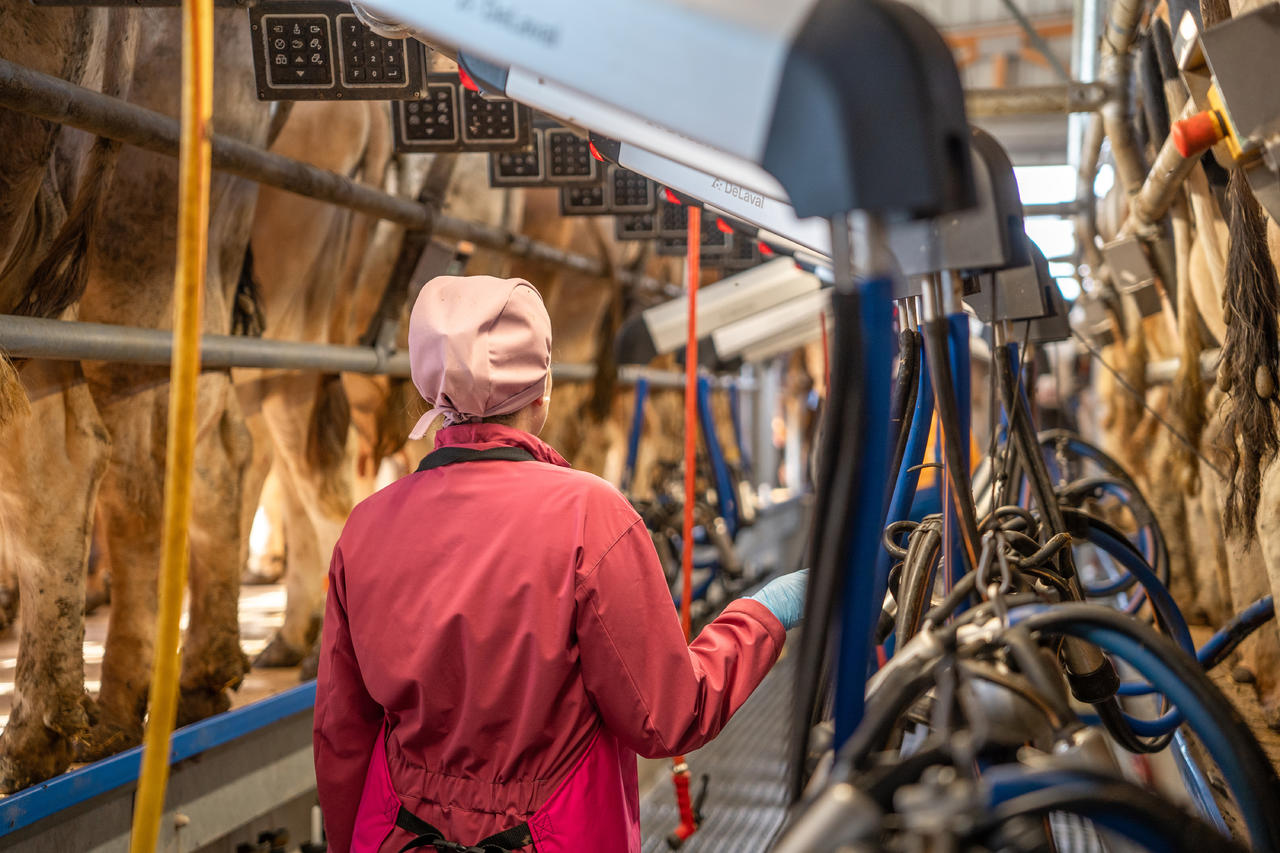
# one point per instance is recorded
(735, 412)
(958, 350)
(61, 792)
(633, 439)
(863, 594)
(725, 494)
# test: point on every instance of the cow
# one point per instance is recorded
(1221, 510)
(91, 438)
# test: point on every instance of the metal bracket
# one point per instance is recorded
(1222, 68)
(1096, 325)
(1133, 274)
(318, 50)
(988, 236)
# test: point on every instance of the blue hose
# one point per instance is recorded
(864, 590)
(633, 439)
(1184, 697)
(1005, 783)
(1122, 552)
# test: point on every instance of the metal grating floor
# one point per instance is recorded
(746, 800)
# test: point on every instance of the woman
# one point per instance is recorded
(499, 640)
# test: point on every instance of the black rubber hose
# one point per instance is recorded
(1105, 797)
(1051, 438)
(918, 572)
(1118, 727)
(906, 387)
(944, 393)
(1092, 675)
(836, 489)
(1155, 106)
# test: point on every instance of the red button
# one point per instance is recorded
(1199, 133)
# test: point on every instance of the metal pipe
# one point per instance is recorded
(1162, 183)
(1166, 370)
(62, 340)
(1087, 221)
(1073, 97)
(55, 100)
(1062, 208)
(1115, 64)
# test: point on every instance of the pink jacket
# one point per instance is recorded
(504, 619)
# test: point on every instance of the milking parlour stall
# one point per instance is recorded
(801, 426)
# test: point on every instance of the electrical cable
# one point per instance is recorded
(936, 347)
(837, 472)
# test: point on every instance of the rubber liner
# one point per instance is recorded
(747, 798)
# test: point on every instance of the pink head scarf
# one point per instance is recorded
(479, 347)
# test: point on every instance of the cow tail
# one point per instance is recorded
(327, 439)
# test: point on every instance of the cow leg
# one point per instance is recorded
(131, 502)
(317, 503)
(267, 565)
(304, 584)
(212, 662)
(50, 470)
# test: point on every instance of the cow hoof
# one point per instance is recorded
(104, 740)
(311, 665)
(199, 703)
(30, 754)
(279, 654)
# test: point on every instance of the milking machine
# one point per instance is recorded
(978, 673)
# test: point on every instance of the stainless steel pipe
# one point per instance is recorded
(55, 100)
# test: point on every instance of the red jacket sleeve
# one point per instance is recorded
(658, 696)
(347, 719)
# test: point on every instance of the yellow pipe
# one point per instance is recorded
(188, 295)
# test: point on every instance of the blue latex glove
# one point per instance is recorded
(784, 597)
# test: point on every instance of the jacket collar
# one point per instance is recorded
(484, 436)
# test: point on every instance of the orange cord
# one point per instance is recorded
(690, 420)
(679, 768)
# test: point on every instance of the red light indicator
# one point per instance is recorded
(765, 249)
(724, 227)
(467, 82)
(594, 153)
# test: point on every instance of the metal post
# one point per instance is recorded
(62, 340)
(51, 99)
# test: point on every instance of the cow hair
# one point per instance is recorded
(1251, 350)
(13, 397)
(1187, 396)
(395, 417)
(60, 278)
(329, 425)
(247, 316)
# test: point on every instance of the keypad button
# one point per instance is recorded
(298, 50)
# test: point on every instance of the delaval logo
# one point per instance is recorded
(740, 193)
(508, 16)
